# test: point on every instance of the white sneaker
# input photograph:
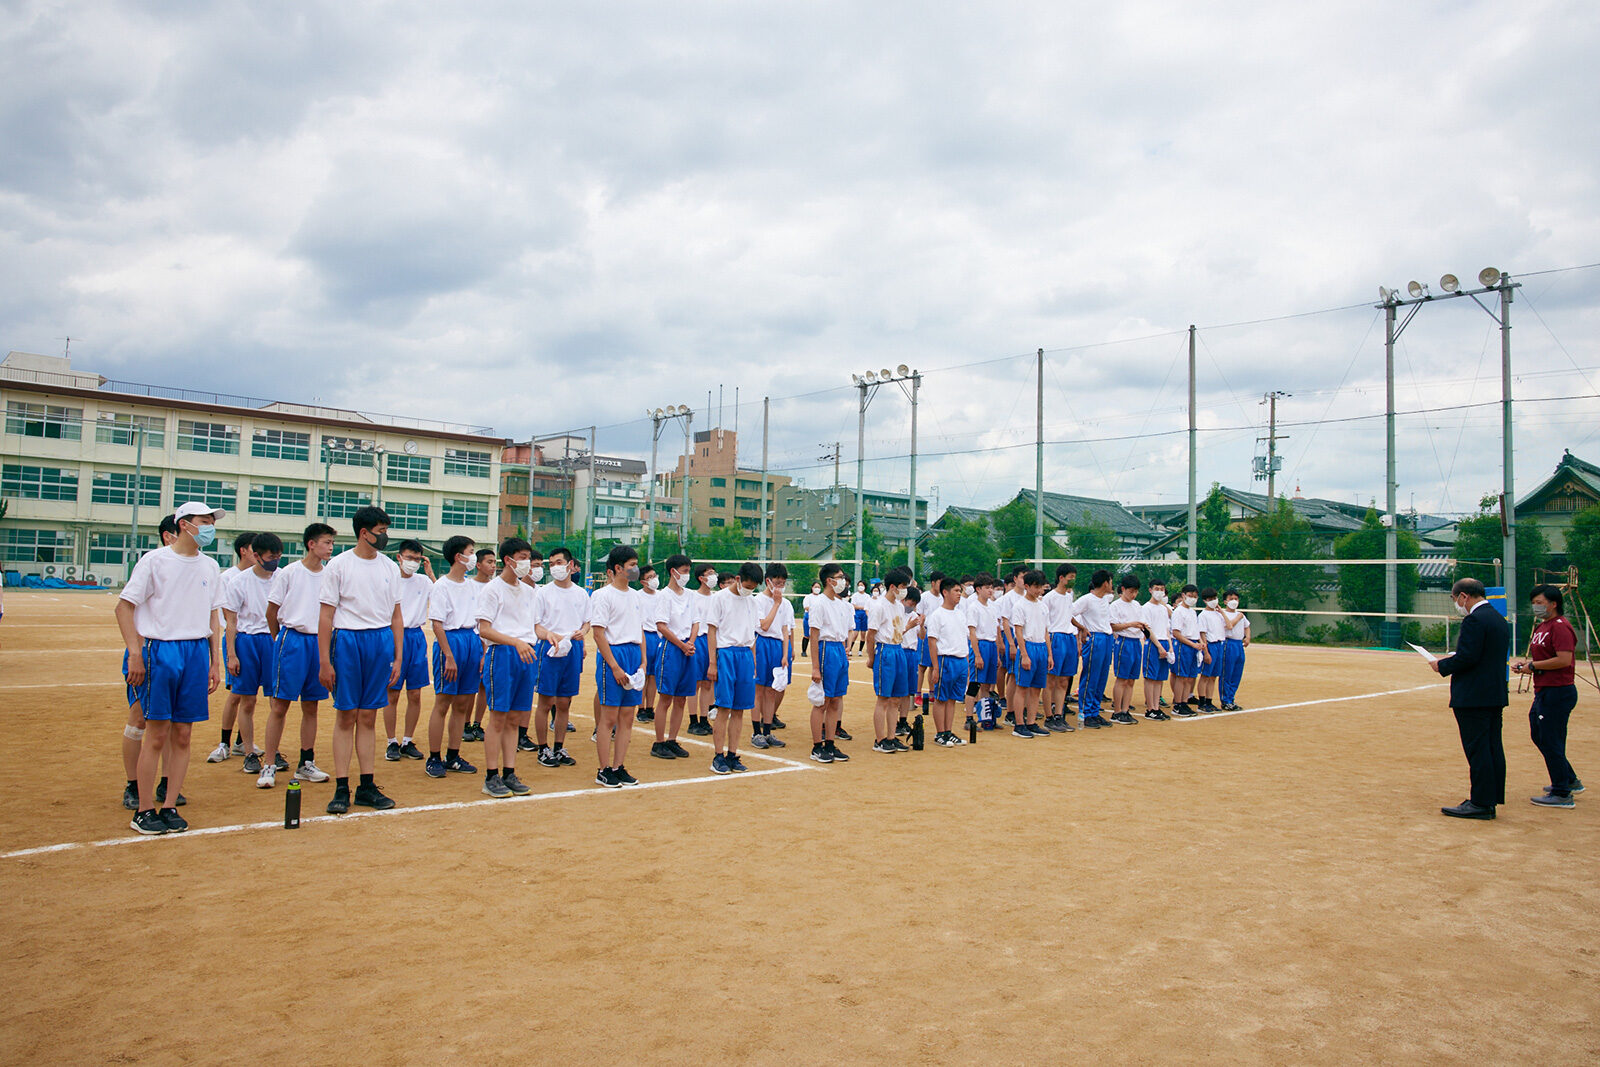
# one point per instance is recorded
(310, 772)
(238, 748)
(269, 776)
(219, 753)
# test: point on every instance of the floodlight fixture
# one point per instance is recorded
(1489, 276)
(902, 370)
(886, 374)
(1450, 283)
(855, 379)
(1385, 294)
(870, 378)
(1416, 288)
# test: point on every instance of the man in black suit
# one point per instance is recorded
(1477, 674)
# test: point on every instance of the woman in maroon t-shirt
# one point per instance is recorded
(1550, 654)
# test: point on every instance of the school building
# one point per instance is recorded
(821, 523)
(721, 493)
(89, 466)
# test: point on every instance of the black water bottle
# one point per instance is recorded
(291, 806)
(917, 735)
(972, 730)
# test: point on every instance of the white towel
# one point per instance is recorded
(560, 648)
(636, 679)
(815, 695)
(780, 679)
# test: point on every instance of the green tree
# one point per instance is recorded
(871, 547)
(720, 543)
(1092, 539)
(1280, 534)
(1013, 528)
(1583, 546)
(1479, 543)
(960, 548)
(1361, 586)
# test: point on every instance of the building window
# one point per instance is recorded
(278, 499)
(347, 454)
(718, 522)
(407, 516)
(341, 503)
(119, 428)
(748, 504)
(213, 437)
(44, 420)
(467, 464)
(719, 483)
(115, 487)
(513, 484)
(111, 549)
(473, 513)
(281, 444)
(748, 485)
(207, 491)
(411, 470)
(719, 502)
(38, 483)
(36, 546)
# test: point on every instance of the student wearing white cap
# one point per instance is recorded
(167, 615)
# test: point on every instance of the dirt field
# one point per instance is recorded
(1270, 887)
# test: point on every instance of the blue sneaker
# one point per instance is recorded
(460, 766)
(734, 764)
(719, 765)
(434, 768)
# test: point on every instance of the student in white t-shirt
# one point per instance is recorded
(1090, 615)
(485, 570)
(1189, 650)
(1030, 630)
(886, 623)
(1007, 681)
(774, 651)
(246, 640)
(983, 636)
(860, 601)
(832, 620)
(362, 642)
(675, 672)
(707, 580)
(416, 583)
(244, 558)
(1214, 632)
(912, 644)
(618, 627)
(948, 647)
(1235, 639)
(1157, 649)
(133, 730)
(167, 615)
(805, 616)
(1126, 619)
(457, 658)
(650, 608)
(1063, 646)
(563, 624)
(294, 607)
(731, 633)
(508, 615)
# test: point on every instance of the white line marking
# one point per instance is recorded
(56, 651)
(1309, 703)
(118, 682)
(591, 791)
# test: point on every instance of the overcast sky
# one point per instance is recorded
(536, 217)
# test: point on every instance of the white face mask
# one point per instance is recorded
(1212, 603)
(680, 578)
(968, 590)
(778, 587)
(1461, 609)
(536, 572)
(1233, 605)
(558, 571)
(521, 567)
(1190, 601)
(652, 583)
(740, 589)
(465, 559)
(1539, 610)
(1159, 596)
(816, 589)
(408, 567)
(840, 585)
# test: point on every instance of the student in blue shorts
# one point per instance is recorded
(886, 626)
(416, 583)
(1128, 631)
(1158, 654)
(1214, 632)
(774, 654)
(650, 607)
(167, 615)
(133, 730)
(948, 648)
(1063, 646)
(507, 624)
(361, 641)
(676, 677)
(1030, 631)
(244, 557)
(618, 627)
(832, 622)
(731, 632)
(294, 609)
(457, 658)
(563, 623)
(246, 640)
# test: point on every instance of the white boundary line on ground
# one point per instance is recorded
(118, 682)
(454, 805)
(1309, 703)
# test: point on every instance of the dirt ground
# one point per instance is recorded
(1269, 887)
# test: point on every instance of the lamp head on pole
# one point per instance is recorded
(1449, 283)
(1416, 289)
(1489, 276)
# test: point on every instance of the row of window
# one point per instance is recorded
(28, 482)
(217, 438)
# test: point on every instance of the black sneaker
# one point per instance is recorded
(526, 744)
(1185, 711)
(903, 728)
(410, 751)
(130, 798)
(886, 747)
(466, 734)
(779, 724)
(1124, 718)
(370, 796)
(280, 763)
(1065, 726)
(660, 750)
(645, 715)
(842, 734)
(566, 760)
(149, 823)
(1011, 717)
(1207, 708)
(252, 764)
(1153, 715)
(839, 755)
(623, 778)
(460, 766)
(899, 745)
(340, 802)
(776, 742)
(161, 795)
(510, 780)
(391, 752)
(1231, 707)
(496, 787)
(1038, 731)
(699, 729)
(606, 779)
(176, 824)
(1095, 722)
(820, 754)
(678, 750)
(434, 768)
(548, 757)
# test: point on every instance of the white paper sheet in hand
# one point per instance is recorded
(1424, 653)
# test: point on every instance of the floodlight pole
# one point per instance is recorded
(656, 422)
(683, 508)
(766, 411)
(861, 467)
(911, 493)
(1038, 465)
(1391, 535)
(1194, 554)
(1508, 506)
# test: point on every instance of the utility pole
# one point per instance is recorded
(911, 494)
(766, 411)
(1038, 466)
(1508, 499)
(861, 467)
(688, 454)
(588, 526)
(656, 420)
(1194, 536)
(1271, 400)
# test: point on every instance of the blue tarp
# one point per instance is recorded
(33, 581)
